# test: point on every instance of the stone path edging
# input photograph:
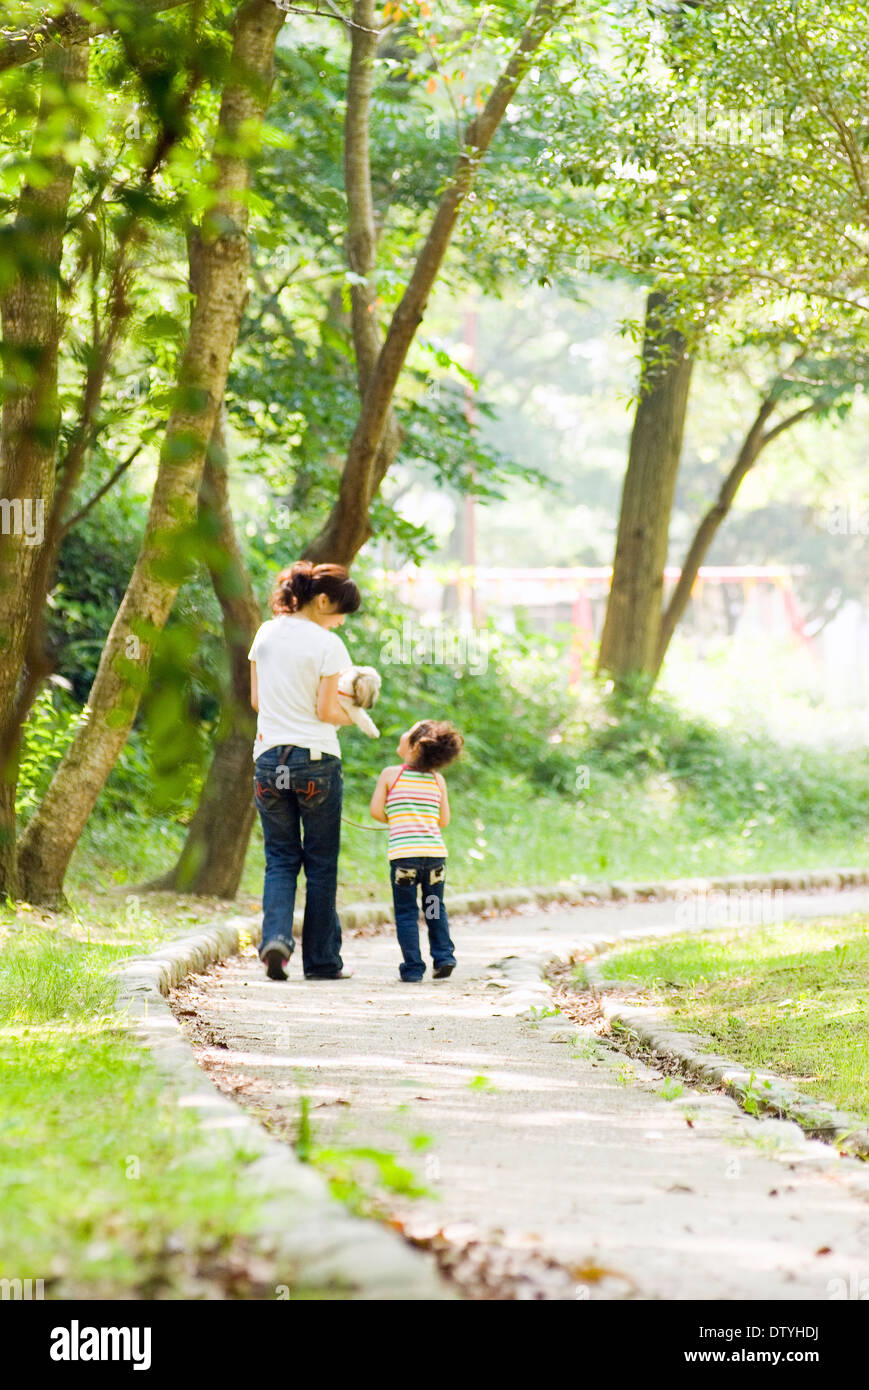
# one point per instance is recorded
(529, 995)
(482, 900)
(650, 1027)
(301, 1227)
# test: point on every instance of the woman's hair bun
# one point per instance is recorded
(301, 582)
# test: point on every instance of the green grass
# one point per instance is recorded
(790, 998)
(510, 836)
(103, 1187)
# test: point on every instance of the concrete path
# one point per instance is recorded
(568, 1150)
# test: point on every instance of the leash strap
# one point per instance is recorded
(359, 826)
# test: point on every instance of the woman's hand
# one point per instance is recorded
(328, 708)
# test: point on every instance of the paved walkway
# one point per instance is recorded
(536, 1144)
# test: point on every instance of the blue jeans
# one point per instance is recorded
(299, 804)
(430, 875)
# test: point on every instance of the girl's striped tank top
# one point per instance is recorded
(412, 808)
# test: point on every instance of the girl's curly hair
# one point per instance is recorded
(435, 743)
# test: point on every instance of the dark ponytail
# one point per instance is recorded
(297, 586)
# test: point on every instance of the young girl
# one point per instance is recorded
(411, 799)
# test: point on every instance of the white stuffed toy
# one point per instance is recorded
(358, 689)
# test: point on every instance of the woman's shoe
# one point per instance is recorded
(441, 972)
(275, 961)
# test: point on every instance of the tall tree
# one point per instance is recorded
(820, 379)
(32, 326)
(361, 224)
(348, 526)
(629, 641)
(53, 832)
(212, 857)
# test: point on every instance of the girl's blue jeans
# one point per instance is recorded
(299, 803)
(428, 875)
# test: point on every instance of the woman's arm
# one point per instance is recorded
(254, 688)
(328, 708)
(378, 800)
(444, 816)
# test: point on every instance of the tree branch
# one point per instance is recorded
(753, 444)
(789, 421)
(101, 491)
(348, 526)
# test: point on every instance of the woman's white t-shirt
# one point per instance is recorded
(292, 655)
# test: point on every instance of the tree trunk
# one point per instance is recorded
(348, 527)
(361, 224)
(633, 615)
(213, 855)
(54, 831)
(212, 858)
(31, 418)
(361, 247)
(754, 443)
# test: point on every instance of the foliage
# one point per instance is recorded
(497, 689)
(597, 158)
(47, 734)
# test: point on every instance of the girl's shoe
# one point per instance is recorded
(441, 972)
(275, 962)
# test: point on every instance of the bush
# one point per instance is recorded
(46, 736)
(513, 713)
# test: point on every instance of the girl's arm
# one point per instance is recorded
(328, 708)
(444, 816)
(254, 688)
(378, 800)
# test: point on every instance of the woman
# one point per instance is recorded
(296, 659)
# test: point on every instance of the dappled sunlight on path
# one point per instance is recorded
(537, 1143)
